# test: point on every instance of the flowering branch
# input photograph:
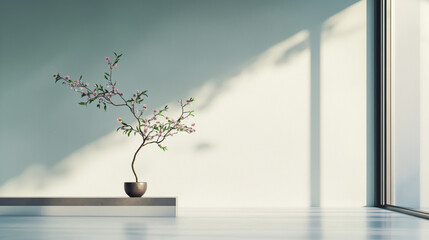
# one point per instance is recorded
(152, 129)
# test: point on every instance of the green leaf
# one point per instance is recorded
(106, 77)
(82, 103)
(105, 108)
(80, 78)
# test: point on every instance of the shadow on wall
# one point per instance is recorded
(260, 119)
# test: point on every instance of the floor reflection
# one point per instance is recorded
(311, 223)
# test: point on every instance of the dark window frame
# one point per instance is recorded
(382, 38)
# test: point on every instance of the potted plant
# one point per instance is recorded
(153, 128)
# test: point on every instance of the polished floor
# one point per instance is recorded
(201, 224)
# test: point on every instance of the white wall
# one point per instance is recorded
(286, 129)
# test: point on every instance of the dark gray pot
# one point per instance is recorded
(135, 189)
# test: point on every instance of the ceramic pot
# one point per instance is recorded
(135, 189)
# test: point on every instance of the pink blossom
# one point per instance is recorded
(95, 94)
(134, 95)
(116, 65)
(67, 77)
(180, 101)
(75, 90)
(144, 106)
(145, 130)
(166, 118)
(137, 111)
(87, 84)
(154, 118)
(81, 88)
(154, 111)
(107, 59)
(188, 101)
(182, 118)
(116, 90)
(119, 119)
(133, 102)
(110, 68)
(193, 124)
(121, 94)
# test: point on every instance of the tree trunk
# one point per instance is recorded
(134, 159)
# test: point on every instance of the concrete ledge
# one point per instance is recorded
(149, 207)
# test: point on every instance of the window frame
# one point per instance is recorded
(383, 188)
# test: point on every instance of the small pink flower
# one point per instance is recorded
(75, 90)
(145, 130)
(119, 119)
(67, 77)
(182, 118)
(59, 74)
(55, 76)
(121, 94)
(133, 102)
(188, 101)
(95, 94)
(180, 101)
(116, 90)
(116, 65)
(193, 124)
(166, 118)
(144, 106)
(154, 111)
(107, 85)
(137, 111)
(134, 95)
(81, 88)
(110, 68)
(107, 58)
(87, 84)
(154, 118)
